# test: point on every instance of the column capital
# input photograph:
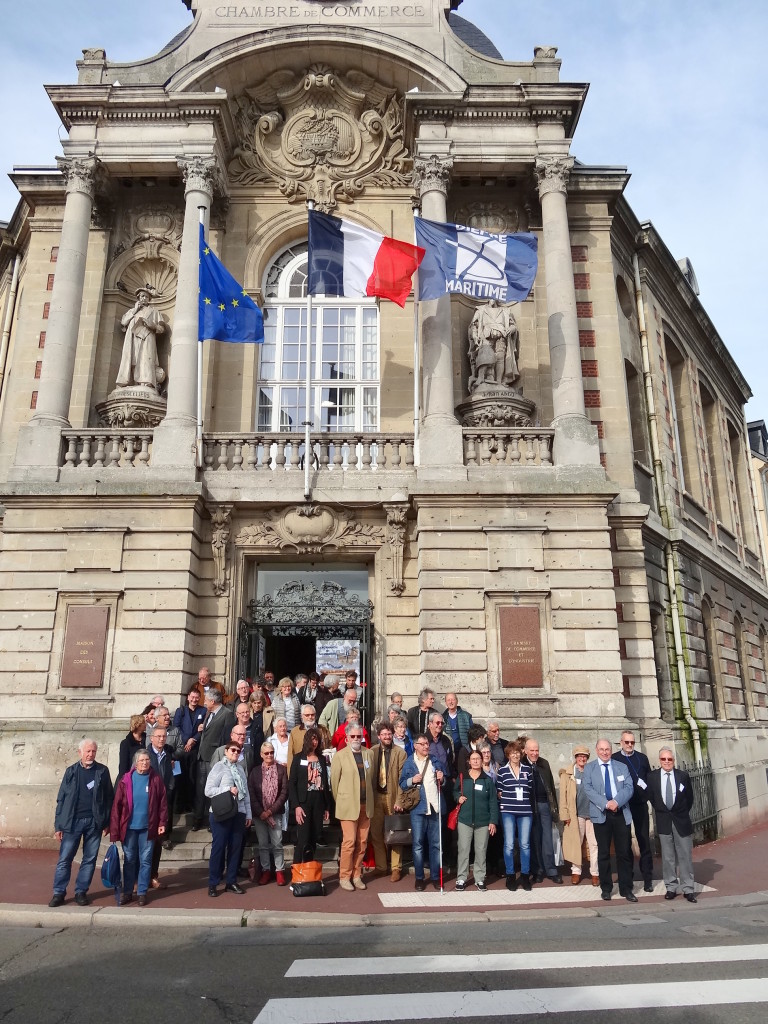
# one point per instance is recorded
(432, 173)
(201, 174)
(552, 174)
(79, 174)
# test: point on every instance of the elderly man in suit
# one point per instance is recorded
(671, 794)
(352, 787)
(609, 787)
(388, 761)
(639, 769)
(216, 726)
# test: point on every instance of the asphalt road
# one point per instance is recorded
(669, 966)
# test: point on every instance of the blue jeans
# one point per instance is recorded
(543, 849)
(425, 826)
(82, 828)
(521, 823)
(227, 846)
(137, 857)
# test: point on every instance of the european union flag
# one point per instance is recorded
(227, 313)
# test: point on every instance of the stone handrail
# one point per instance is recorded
(509, 446)
(284, 452)
(108, 447)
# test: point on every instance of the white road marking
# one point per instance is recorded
(569, 958)
(510, 1002)
(498, 898)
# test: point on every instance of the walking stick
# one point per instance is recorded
(440, 829)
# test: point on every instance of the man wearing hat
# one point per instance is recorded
(574, 814)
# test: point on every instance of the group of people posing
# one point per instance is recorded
(298, 752)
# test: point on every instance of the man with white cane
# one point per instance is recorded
(425, 773)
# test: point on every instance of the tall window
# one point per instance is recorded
(344, 355)
(681, 413)
(715, 688)
(715, 452)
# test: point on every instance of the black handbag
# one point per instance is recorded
(397, 830)
(307, 888)
(223, 806)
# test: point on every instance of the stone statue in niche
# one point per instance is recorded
(494, 346)
(139, 363)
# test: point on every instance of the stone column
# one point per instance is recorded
(441, 438)
(174, 438)
(39, 440)
(575, 438)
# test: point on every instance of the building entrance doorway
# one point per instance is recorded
(311, 623)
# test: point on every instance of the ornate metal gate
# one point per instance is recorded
(327, 612)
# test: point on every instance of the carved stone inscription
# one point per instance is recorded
(318, 12)
(520, 640)
(85, 646)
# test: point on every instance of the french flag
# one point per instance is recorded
(349, 261)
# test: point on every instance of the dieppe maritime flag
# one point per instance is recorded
(475, 263)
(226, 311)
(348, 260)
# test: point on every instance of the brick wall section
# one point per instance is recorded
(592, 399)
(584, 310)
(41, 340)
(581, 282)
(579, 253)
(589, 368)
(587, 339)
(46, 310)
(38, 368)
(33, 402)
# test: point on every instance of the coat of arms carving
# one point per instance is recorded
(322, 135)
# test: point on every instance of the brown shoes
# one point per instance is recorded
(396, 875)
(575, 879)
(595, 880)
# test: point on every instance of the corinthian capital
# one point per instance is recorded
(432, 174)
(200, 174)
(79, 174)
(552, 173)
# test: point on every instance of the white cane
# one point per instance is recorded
(440, 829)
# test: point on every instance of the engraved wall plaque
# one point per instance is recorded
(85, 646)
(520, 642)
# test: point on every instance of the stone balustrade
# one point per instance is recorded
(111, 448)
(509, 446)
(285, 452)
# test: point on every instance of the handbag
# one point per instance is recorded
(307, 871)
(409, 798)
(397, 830)
(452, 821)
(307, 888)
(223, 806)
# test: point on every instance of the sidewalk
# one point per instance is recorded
(730, 869)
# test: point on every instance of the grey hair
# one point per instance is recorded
(156, 727)
(138, 754)
(433, 715)
(214, 696)
(400, 718)
(302, 677)
(162, 708)
(350, 723)
(484, 746)
(353, 715)
(397, 694)
(669, 750)
(426, 692)
(393, 707)
(282, 718)
(82, 744)
(307, 707)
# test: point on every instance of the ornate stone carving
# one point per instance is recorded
(310, 529)
(494, 217)
(552, 173)
(432, 174)
(221, 528)
(156, 272)
(500, 407)
(544, 52)
(200, 174)
(396, 518)
(494, 346)
(323, 135)
(80, 175)
(142, 324)
(151, 225)
(132, 407)
(329, 610)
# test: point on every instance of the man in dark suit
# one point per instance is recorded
(545, 814)
(388, 761)
(639, 769)
(161, 759)
(671, 794)
(216, 727)
(609, 788)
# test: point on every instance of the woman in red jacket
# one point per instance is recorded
(138, 817)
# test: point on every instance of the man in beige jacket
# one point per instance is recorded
(352, 786)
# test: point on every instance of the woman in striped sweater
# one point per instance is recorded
(515, 788)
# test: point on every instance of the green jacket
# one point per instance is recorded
(481, 808)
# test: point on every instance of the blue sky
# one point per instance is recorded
(676, 94)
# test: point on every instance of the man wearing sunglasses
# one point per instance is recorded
(639, 769)
(671, 794)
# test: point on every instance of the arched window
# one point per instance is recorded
(715, 688)
(345, 354)
(743, 489)
(681, 416)
(743, 663)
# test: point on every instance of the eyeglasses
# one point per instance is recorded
(268, 753)
(355, 735)
(666, 759)
(628, 743)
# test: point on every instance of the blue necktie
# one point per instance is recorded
(608, 790)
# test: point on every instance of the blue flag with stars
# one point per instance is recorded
(227, 312)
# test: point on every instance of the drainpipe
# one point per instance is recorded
(9, 311)
(664, 512)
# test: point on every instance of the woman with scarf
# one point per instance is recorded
(309, 795)
(229, 835)
(268, 790)
(425, 772)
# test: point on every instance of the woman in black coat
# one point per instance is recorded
(134, 741)
(309, 796)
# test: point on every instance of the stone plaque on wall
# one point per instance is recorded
(85, 645)
(520, 642)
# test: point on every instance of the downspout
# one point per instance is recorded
(658, 475)
(9, 312)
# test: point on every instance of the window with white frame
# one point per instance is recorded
(344, 360)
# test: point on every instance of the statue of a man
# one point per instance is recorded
(494, 346)
(142, 324)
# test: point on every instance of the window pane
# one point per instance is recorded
(370, 408)
(264, 415)
(370, 353)
(291, 409)
(341, 416)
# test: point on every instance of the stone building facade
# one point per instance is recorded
(583, 557)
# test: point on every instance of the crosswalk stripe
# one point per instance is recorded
(553, 895)
(510, 1002)
(572, 958)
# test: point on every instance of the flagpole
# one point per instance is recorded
(308, 386)
(199, 427)
(416, 360)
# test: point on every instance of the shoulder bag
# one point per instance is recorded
(223, 806)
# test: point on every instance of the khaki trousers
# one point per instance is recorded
(586, 826)
(377, 836)
(354, 843)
